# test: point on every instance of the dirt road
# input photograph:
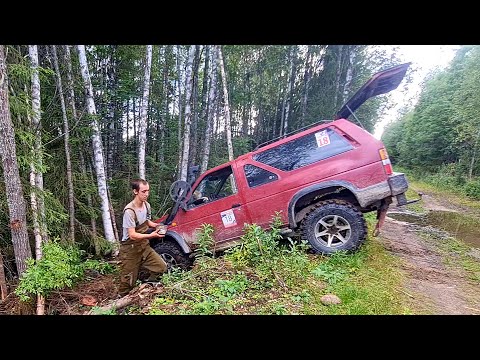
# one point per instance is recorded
(433, 285)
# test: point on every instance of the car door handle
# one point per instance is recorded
(235, 205)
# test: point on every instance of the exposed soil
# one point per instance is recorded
(432, 286)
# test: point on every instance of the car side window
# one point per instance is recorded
(214, 186)
(305, 150)
(257, 176)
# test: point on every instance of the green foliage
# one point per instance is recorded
(205, 242)
(472, 189)
(442, 131)
(61, 266)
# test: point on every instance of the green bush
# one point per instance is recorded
(61, 266)
(472, 189)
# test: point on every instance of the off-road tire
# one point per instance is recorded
(349, 225)
(173, 255)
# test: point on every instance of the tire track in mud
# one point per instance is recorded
(433, 288)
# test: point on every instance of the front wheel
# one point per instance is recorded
(173, 255)
(334, 225)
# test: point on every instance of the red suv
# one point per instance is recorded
(321, 180)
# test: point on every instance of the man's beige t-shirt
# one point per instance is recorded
(129, 218)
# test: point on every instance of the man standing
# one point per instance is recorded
(135, 249)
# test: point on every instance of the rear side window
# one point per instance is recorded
(257, 176)
(305, 150)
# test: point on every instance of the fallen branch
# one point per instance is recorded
(127, 300)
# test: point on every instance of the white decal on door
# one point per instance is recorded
(228, 218)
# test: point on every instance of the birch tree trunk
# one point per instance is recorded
(179, 83)
(34, 121)
(307, 75)
(291, 80)
(83, 167)
(228, 128)
(142, 133)
(349, 76)
(337, 77)
(188, 114)
(204, 97)
(13, 185)
(38, 151)
(66, 130)
(194, 125)
(210, 110)
(98, 150)
(35, 174)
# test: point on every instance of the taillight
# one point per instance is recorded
(387, 165)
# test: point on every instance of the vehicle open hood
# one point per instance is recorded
(380, 83)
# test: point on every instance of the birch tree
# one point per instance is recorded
(349, 74)
(36, 169)
(36, 150)
(226, 104)
(97, 149)
(210, 110)
(13, 185)
(187, 114)
(83, 167)
(142, 133)
(288, 95)
(36, 176)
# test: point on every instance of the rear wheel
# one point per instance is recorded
(334, 225)
(173, 255)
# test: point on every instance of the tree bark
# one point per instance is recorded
(188, 114)
(180, 106)
(98, 150)
(291, 80)
(338, 77)
(210, 110)
(142, 136)
(307, 75)
(228, 128)
(194, 127)
(38, 151)
(83, 167)
(349, 75)
(13, 185)
(34, 121)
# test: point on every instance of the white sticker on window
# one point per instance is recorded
(228, 218)
(322, 138)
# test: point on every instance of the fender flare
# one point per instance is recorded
(312, 188)
(179, 240)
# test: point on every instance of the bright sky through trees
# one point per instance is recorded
(424, 58)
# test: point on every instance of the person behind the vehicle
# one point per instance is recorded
(135, 250)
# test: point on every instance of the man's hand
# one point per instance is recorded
(156, 235)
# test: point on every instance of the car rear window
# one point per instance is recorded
(305, 150)
(257, 176)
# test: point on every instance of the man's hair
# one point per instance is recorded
(135, 183)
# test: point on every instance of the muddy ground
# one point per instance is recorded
(432, 286)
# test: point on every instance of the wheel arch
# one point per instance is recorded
(175, 238)
(307, 197)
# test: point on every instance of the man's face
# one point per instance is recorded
(143, 192)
